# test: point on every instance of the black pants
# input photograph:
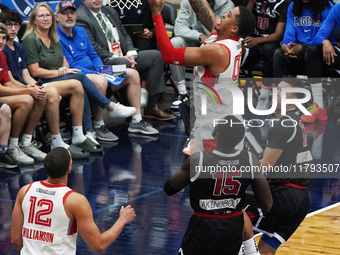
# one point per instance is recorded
(316, 66)
(265, 52)
(284, 65)
(309, 62)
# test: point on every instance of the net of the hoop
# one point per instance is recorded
(122, 4)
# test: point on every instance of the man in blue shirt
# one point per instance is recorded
(44, 98)
(324, 54)
(328, 55)
(80, 54)
(304, 19)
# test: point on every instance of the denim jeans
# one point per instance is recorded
(91, 91)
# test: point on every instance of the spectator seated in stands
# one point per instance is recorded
(44, 97)
(271, 21)
(80, 54)
(5, 123)
(323, 55)
(114, 46)
(27, 103)
(45, 60)
(304, 19)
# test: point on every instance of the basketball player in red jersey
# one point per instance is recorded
(47, 214)
(216, 63)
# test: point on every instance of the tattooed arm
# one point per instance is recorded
(204, 13)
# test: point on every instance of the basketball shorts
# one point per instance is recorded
(290, 207)
(206, 236)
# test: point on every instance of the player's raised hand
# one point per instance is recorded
(156, 6)
(127, 214)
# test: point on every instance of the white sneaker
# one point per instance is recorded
(92, 137)
(33, 152)
(122, 111)
(143, 97)
(262, 103)
(19, 156)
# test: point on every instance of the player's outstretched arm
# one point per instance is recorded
(261, 197)
(78, 208)
(216, 57)
(204, 13)
(181, 178)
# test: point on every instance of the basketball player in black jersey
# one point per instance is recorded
(288, 154)
(218, 182)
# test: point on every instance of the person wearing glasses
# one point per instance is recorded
(80, 54)
(114, 46)
(18, 77)
(45, 60)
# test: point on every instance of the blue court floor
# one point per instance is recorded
(133, 171)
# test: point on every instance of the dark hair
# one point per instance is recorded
(317, 7)
(57, 162)
(10, 15)
(246, 22)
(295, 83)
(230, 135)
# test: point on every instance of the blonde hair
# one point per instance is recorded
(3, 28)
(57, 9)
(31, 27)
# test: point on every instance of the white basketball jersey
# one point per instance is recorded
(212, 99)
(47, 229)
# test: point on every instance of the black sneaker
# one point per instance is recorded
(181, 98)
(6, 161)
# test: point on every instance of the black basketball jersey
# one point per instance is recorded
(220, 182)
(268, 13)
(288, 134)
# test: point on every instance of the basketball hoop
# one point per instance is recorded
(124, 4)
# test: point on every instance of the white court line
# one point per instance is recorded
(315, 212)
(323, 209)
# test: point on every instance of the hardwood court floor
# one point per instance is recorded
(128, 174)
(317, 234)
